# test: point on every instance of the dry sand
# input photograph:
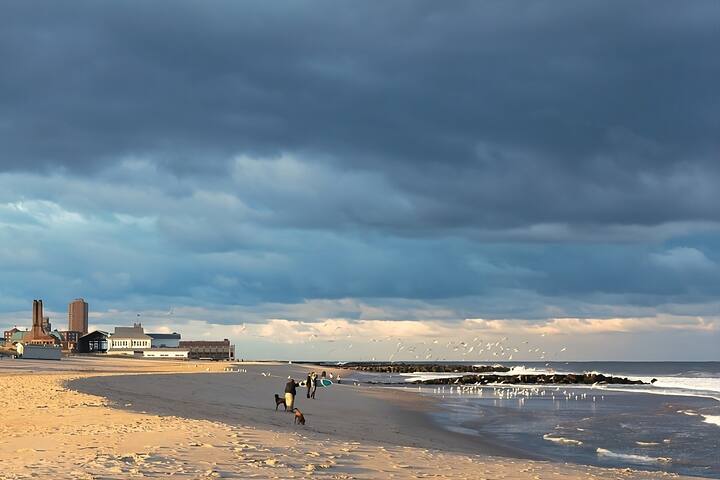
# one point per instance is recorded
(125, 418)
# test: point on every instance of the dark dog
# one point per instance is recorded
(279, 401)
(299, 417)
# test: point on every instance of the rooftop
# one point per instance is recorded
(165, 336)
(130, 332)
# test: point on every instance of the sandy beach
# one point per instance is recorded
(104, 418)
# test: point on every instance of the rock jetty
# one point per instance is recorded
(533, 379)
(489, 374)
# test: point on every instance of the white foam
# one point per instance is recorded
(646, 444)
(422, 376)
(704, 384)
(562, 440)
(520, 370)
(602, 452)
(706, 387)
(659, 391)
(712, 419)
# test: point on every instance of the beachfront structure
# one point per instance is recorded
(133, 341)
(129, 338)
(68, 339)
(38, 335)
(39, 352)
(210, 350)
(166, 353)
(9, 335)
(78, 316)
(46, 325)
(165, 340)
(17, 337)
(93, 342)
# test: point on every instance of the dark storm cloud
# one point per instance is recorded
(491, 115)
(393, 160)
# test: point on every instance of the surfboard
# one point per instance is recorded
(324, 382)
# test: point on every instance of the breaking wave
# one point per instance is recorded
(562, 440)
(628, 457)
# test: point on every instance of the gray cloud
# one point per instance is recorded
(482, 115)
(509, 160)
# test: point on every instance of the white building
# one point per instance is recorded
(129, 339)
(165, 353)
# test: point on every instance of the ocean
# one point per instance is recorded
(672, 425)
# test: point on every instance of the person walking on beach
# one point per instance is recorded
(290, 392)
(307, 384)
(313, 383)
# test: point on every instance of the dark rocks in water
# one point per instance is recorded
(530, 379)
(485, 374)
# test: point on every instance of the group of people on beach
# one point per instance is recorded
(311, 383)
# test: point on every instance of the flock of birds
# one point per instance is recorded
(522, 394)
(435, 350)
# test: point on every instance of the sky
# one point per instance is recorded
(337, 180)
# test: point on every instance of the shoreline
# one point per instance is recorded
(57, 430)
(383, 415)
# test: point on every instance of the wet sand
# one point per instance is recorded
(378, 415)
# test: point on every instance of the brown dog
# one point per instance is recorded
(299, 417)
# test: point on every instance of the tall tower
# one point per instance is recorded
(38, 335)
(78, 316)
(37, 320)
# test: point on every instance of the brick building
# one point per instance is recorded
(210, 350)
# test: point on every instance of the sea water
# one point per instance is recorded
(672, 425)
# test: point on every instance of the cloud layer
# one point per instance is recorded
(297, 162)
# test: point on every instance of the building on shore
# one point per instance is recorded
(38, 335)
(39, 352)
(46, 325)
(99, 341)
(165, 340)
(166, 353)
(78, 316)
(68, 340)
(129, 338)
(209, 350)
(9, 334)
(93, 342)
(18, 337)
(133, 341)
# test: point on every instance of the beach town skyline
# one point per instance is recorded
(556, 340)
